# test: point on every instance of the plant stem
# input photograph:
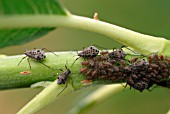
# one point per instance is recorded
(44, 98)
(12, 76)
(144, 44)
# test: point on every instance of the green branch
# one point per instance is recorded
(12, 76)
(144, 44)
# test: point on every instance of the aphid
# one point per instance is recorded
(83, 70)
(36, 54)
(140, 86)
(104, 52)
(95, 72)
(141, 64)
(88, 52)
(85, 63)
(86, 82)
(118, 54)
(161, 57)
(62, 78)
(168, 60)
(134, 59)
(89, 72)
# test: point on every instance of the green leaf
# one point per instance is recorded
(9, 37)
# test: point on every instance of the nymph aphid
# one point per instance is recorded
(63, 77)
(35, 54)
(88, 52)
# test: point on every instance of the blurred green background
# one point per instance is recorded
(146, 16)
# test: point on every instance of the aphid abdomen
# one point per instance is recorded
(62, 78)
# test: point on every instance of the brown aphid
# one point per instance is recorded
(155, 57)
(82, 70)
(133, 60)
(117, 54)
(107, 64)
(150, 59)
(89, 72)
(86, 82)
(165, 75)
(153, 66)
(104, 52)
(146, 80)
(134, 76)
(112, 61)
(85, 63)
(161, 57)
(91, 63)
(95, 72)
(140, 86)
(141, 64)
(130, 81)
(102, 77)
(115, 68)
(103, 72)
(103, 57)
(168, 60)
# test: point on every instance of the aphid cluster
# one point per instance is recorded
(138, 73)
(105, 66)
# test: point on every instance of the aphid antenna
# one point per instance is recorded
(49, 51)
(74, 61)
(75, 51)
(129, 49)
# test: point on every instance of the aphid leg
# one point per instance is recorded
(29, 62)
(124, 86)
(129, 49)
(21, 60)
(63, 89)
(44, 64)
(152, 88)
(74, 61)
(49, 51)
(71, 81)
